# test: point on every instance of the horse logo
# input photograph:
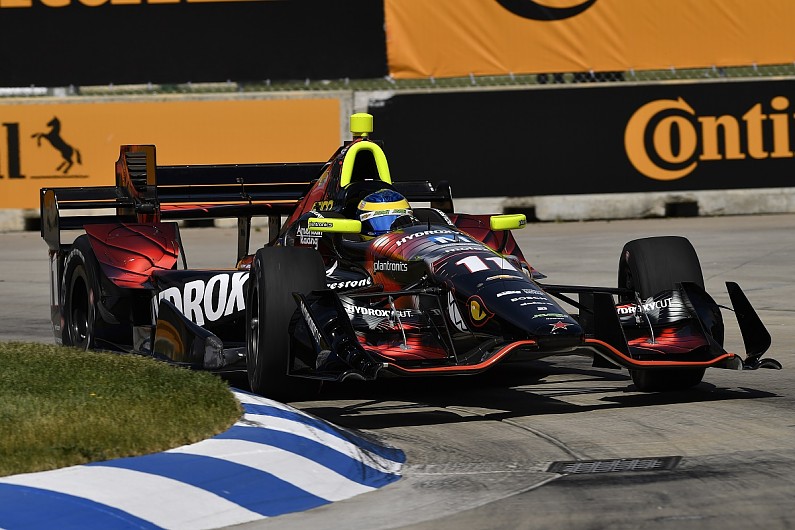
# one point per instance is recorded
(54, 137)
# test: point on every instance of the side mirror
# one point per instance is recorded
(513, 221)
(334, 225)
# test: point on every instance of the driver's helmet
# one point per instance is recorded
(379, 210)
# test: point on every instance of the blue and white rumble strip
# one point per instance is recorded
(275, 460)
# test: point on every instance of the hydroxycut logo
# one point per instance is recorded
(381, 313)
(204, 301)
(646, 307)
(422, 234)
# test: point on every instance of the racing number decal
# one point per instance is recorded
(477, 264)
(323, 206)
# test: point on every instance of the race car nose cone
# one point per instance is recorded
(564, 336)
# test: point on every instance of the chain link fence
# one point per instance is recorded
(388, 83)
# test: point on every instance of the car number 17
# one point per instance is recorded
(476, 263)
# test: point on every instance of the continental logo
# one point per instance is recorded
(536, 10)
(99, 3)
(666, 139)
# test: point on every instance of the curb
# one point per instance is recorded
(274, 460)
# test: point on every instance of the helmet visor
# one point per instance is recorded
(379, 222)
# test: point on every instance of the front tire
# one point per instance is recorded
(276, 273)
(649, 266)
(655, 264)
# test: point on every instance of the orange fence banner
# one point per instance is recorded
(58, 144)
(453, 38)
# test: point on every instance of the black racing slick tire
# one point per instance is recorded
(81, 292)
(655, 264)
(649, 266)
(278, 272)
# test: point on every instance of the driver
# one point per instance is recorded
(379, 210)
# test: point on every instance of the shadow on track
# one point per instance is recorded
(510, 391)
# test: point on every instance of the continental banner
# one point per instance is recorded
(76, 144)
(594, 139)
(451, 38)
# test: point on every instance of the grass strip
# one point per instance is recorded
(61, 406)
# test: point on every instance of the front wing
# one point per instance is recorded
(326, 345)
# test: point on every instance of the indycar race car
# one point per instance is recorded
(358, 282)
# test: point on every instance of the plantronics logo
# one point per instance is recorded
(535, 10)
(390, 266)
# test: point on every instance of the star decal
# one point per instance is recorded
(559, 325)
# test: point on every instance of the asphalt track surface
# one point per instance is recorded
(478, 448)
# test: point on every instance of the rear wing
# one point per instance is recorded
(146, 192)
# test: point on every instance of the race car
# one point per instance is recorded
(361, 278)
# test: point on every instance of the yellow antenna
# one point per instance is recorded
(361, 124)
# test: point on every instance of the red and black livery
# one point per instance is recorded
(441, 293)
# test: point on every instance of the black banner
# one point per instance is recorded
(595, 139)
(123, 42)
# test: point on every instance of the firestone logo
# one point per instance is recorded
(666, 139)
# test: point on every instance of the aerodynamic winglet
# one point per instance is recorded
(755, 336)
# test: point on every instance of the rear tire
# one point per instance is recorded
(81, 293)
(276, 273)
(649, 266)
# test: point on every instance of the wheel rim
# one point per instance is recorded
(79, 327)
(253, 327)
